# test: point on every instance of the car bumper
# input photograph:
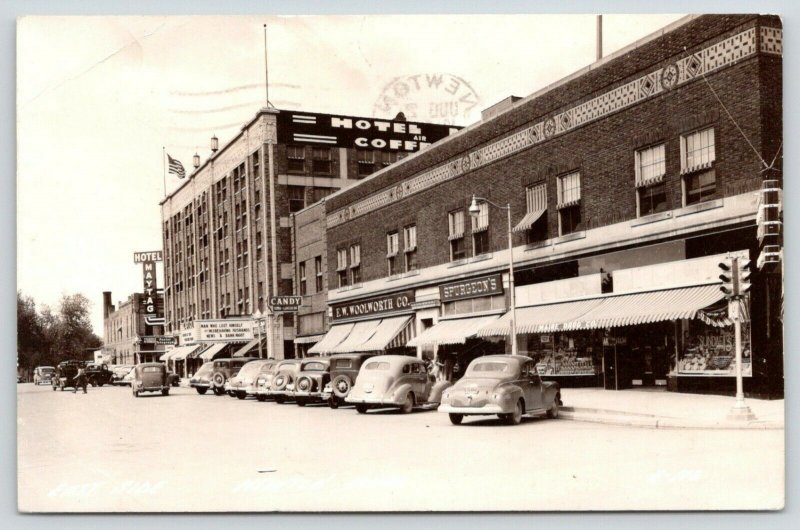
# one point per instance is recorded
(485, 409)
(315, 395)
(199, 385)
(152, 388)
(372, 400)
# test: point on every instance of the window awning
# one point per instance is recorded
(244, 350)
(209, 354)
(361, 333)
(455, 331)
(310, 339)
(168, 355)
(180, 353)
(332, 338)
(385, 333)
(610, 311)
(528, 220)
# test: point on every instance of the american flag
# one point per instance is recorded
(176, 167)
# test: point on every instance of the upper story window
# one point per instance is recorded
(480, 230)
(321, 160)
(651, 191)
(569, 203)
(534, 223)
(698, 154)
(355, 263)
(296, 158)
(410, 247)
(255, 166)
(392, 247)
(297, 198)
(456, 235)
(341, 266)
(366, 162)
(302, 274)
(318, 273)
(389, 157)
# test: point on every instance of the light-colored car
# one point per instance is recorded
(43, 375)
(128, 379)
(395, 381)
(263, 383)
(118, 373)
(282, 386)
(239, 384)
(201, 380)
(506, 385)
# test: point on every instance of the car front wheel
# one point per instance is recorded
(552, 412)
(456, 419)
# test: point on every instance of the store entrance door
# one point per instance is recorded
(649, 355)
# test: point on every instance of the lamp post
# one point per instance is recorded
(474, 210)
(257, 317)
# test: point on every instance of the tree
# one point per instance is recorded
(76, 335)
(30, 334)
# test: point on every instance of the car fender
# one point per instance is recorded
(551, 390)
(436, 391)
(514, 392)
(399, 392)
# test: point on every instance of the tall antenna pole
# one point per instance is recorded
(599, 37)
(266, 67)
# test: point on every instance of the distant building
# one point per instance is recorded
(127, 339)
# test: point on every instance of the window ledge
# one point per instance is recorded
(571, 237)
(402, 275)
(652, 218)
(699, 207)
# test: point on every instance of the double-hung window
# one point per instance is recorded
(318, 273)
(410, 247)
(296, 158)
(569, 203)
(456, 235)
(480, 230)
(321, 161)
(355, 264)
(392, 247)
(651, 191)
(302, 274)
(341, 267)
(697, 166)
(534, 224)
(366, 162)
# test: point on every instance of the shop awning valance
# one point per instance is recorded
(167, 355)
(309, 339)
(251, 346)
(610, 311)
(182, 352)
(385, 333)
(454, 331)
(209, 354)
(361, 332)
(528, 220)
(332, 338)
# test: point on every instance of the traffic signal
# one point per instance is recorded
(728, 282)
(743, 277)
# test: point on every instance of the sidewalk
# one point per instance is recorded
(660, 409)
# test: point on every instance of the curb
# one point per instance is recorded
(655, 422)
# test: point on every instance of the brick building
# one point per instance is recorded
(226, 231)
(127, 338)
(627, 183)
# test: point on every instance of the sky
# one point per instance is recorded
(99, 97)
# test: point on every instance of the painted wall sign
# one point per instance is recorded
(143, 257)
(363, 133)
(374, 306)
(472, 288)
(224, 330)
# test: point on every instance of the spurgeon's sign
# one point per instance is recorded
(374, 306)
(472, 288)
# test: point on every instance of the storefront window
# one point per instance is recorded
(473, 305)
(710, 350)
(573, 354)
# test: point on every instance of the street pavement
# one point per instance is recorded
(107, 451)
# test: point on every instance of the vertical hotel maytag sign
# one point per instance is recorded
(151, 307)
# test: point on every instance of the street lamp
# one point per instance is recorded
(257, 316)
(474, 210)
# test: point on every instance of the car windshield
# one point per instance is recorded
(378, 365)
(490, 367)
(250, 369)
(314, 367)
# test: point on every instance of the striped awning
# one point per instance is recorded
(209, 354)
(332, 338)
(454, 331)
(361, 333)
(528, 220)
(385, 333)
(179, 354)
(167, 355)
(247, 348)
(310, 339)
(610, 311)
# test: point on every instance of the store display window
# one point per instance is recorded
(560, 354)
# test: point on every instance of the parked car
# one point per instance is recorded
(43, 375)
(65, 373)
(98, 374)
(238, 384)
(118, 373)
(395, 381)
(150, 377)
(312, 381)
(506, 385)
(201, 380)
(344, 370)
(283, 382)
(224, 369)
(263, 383)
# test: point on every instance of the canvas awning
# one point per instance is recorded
(182, 352)
(332, 338)
(361, 332)
(209, 354)
(247, 348)
(387, 331)
(167, 355)
(609, 311)
(453, 331)
(529, 219)
(309, 339)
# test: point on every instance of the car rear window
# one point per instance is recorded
(342, 363)
(378, 365)
(490, 367)
(314, 367)
(150, 369)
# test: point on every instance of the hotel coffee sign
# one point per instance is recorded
(374, 306)
(472, 288)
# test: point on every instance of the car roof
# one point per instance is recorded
(352, 356)
(396, 360)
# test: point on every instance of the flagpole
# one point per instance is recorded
(266, 67)
(164, 166)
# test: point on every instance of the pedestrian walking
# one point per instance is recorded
(80, 381)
